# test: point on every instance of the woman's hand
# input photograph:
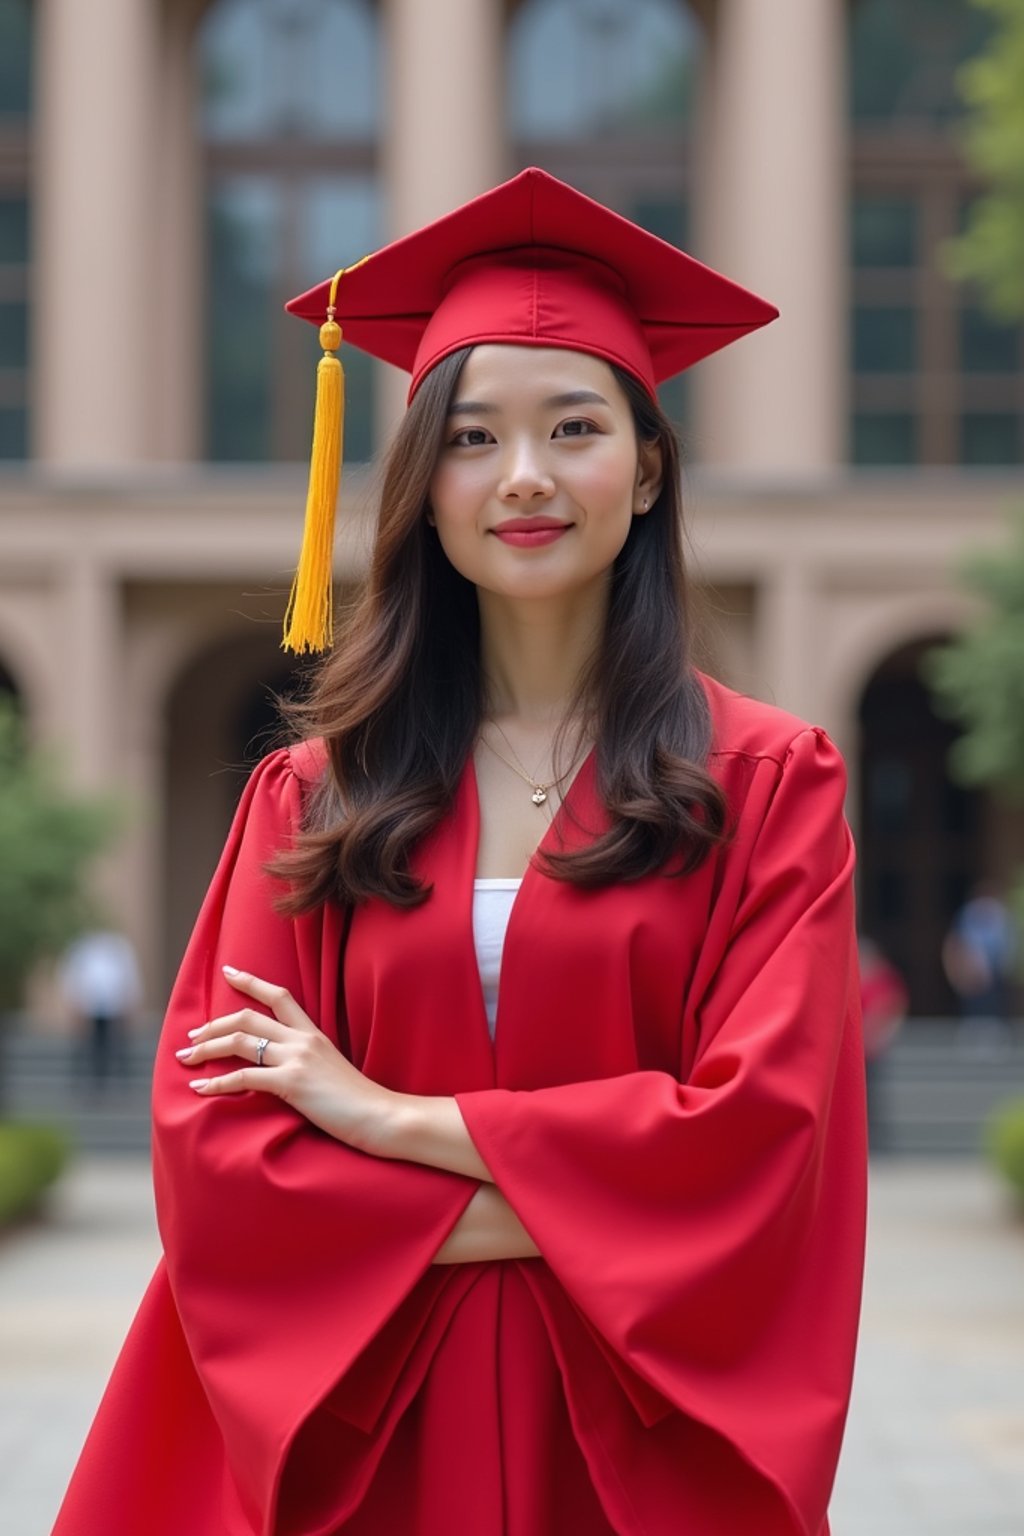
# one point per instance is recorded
(300, 1065)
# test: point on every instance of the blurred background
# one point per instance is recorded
(171, 171)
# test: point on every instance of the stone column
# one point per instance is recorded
(93, 206)
(784, 627)
(771, 163)
(90, 604)
(175, 329)
(92, 728)
(445, 122)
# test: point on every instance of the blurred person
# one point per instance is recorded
(99, 980)
(509, 1134)
(978, 956)
(883, 1001)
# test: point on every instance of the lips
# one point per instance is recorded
(530, 532)
(529, 524)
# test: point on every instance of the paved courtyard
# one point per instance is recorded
(936, 1438)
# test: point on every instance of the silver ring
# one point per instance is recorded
(261, 1046)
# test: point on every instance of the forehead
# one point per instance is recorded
(497, 370)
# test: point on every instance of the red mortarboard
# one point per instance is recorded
(536, 263)
(533, 262)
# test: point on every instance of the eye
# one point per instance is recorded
(469, 437)
(576, 426)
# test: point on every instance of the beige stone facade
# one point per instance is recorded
(141, 590)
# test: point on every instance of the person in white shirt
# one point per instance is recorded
(99, 979)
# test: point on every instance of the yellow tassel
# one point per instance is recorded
(309, 621)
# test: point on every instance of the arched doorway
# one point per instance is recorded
(220, 719)
(924, 839)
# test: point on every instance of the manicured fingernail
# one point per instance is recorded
(199, 1082)
(181, 1055)
(230, 970)
(193, 1032)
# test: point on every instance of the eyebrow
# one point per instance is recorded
(553, 402)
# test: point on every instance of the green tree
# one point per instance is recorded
(978, 678)
(990, 252)
(48, 837)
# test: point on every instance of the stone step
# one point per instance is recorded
(934, 1090)
(46, 1077)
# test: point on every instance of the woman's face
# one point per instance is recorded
(540, 474)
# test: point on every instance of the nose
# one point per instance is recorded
(525, 478)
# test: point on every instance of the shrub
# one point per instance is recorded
(48, 839)
(31, 1158)
(1005, 1142)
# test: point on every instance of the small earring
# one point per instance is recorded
(645, 503)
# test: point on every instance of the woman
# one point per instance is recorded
(559, 1234)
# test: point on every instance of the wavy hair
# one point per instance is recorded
(400, 700)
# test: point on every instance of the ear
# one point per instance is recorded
(649, 476)
(431, 519)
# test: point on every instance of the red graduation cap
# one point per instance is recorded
(532, 262)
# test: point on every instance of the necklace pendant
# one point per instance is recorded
(539, 796)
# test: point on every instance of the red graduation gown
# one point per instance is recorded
(674, 1107)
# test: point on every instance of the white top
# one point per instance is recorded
(492, 907)
(99, 974)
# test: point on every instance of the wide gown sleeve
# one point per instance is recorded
(286, 1250)
(711, 1230)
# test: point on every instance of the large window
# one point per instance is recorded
(290, 93)
(934, 381)
(601, 93)
(15, 111)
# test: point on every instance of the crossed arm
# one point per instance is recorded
(302, 1067)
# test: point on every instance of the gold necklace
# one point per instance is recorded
(540, 791)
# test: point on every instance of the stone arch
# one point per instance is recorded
(219, 719)
(26, 671)
(8, 681)
(924, 839)
(877, 627)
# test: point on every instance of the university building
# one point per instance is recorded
(172, 170)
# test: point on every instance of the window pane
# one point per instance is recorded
(306, 68)
(13, 432)
(265, 242)
(880, 438)
(13, 231)
(990, 438)
(668, 219)
(985, 346)
(15, 58)
(13, 335)
(241, 236)
(342, 222)
(884, 340)
(903, 56)
(884, 231)
(579, 67)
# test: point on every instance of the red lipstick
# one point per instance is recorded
(530, 532)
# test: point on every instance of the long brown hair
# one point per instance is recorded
(400, 700)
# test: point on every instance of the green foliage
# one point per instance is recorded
(1004, 1141)
(31, 1158)
(990, 253)
(978, 678)
(47, 840)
